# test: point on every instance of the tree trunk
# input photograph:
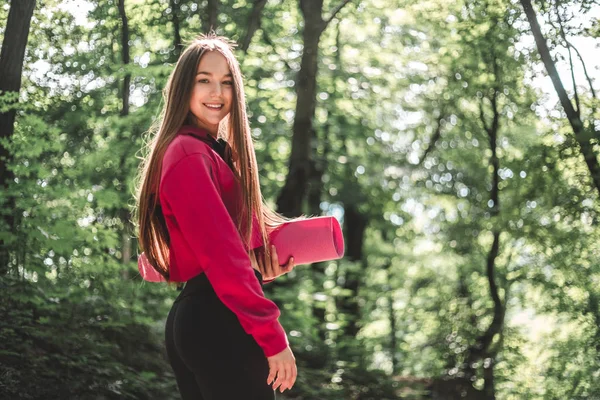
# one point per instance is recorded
(582, 136)
(393, 339)
(489, 387)
(124, 213)
(318, 166)
(593, 307)
(293, 193)
(12, 57)
(391, 315)
(125, 58)
(292, 196)
(175, 15)
(498, 321)
(209, 17)
(314, 205)
(355, 225)
(481, 350)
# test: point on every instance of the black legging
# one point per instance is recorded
(212, 356)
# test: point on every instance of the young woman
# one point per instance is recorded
(202, 221)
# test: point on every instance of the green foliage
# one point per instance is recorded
(78, 345)
(403, 102)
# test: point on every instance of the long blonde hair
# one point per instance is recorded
(153, 235)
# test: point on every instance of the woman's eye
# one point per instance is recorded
(203, 81)
(228, 83)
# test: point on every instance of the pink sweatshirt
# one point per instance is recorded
(200, 198)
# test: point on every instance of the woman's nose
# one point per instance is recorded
(216, 89)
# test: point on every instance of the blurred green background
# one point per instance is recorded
(465, 178)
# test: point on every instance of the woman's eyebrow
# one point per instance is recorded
(210, 74)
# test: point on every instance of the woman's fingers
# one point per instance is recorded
(274, 257)
(281, 377)
(282, 369)
(275, 267)
(280, 269)
(294, 375)
(284, 375)
(290, 378)
(272, 374)
(269, 266)
(288, 267)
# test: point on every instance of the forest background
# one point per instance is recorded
(455, 141)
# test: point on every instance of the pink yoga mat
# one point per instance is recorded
(147, 271)
(308, 241)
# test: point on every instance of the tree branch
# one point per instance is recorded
(494, 99)
(551, 67)
(254, 23)
(482, 116)
(585, 71)
(434, 138)
(582, 135)
(335, 11)
(564, 38)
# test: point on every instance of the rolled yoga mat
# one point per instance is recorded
(307, 240)
(147, 271)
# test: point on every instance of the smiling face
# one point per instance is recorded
(213, 91)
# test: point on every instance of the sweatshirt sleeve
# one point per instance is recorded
(195, 201)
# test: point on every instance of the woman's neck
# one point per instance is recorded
(212, 130)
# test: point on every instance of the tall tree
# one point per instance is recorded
(175, 20)
(124, 213)
(125, 59)
(585, 133)
(11, 66)
(292, 196)
(210, 16)
(482, 348)
(355, 224)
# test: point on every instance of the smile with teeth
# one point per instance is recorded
(214, 106)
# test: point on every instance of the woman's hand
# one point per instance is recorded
(269, 268)
(282, 366)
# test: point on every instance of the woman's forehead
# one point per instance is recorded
(213, 63)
